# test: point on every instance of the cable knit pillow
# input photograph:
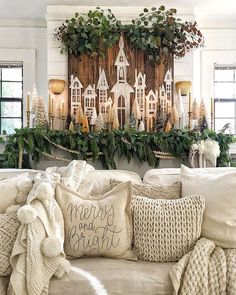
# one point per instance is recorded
(172, 191)
(9, 225)
(101, 227)
(165, 230)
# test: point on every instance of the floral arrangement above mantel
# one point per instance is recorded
(105, 146)
(156, 31)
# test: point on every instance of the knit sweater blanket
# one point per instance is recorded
(38, 251)
(206, 270)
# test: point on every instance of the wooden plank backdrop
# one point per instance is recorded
(86, 69)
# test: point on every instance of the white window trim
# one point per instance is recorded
(28, 57)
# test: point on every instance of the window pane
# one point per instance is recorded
(12, 89)
(224, 75)
(224, 90)
(11, 109)
(219, 124)
(224, 109)
(12, 74)
(8, 125)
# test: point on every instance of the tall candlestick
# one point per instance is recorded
(28, 102)
(63, 108)
(212, 112)
(52, 110)
(189, 102)
(49, 105)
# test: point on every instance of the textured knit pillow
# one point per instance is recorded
(101, 227)
(9, 225)
(172, 191)
(165, 230)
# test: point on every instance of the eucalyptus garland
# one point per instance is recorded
(36, 143)
(158, 32)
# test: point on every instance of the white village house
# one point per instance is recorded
(147, 104)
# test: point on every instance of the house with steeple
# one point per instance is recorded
(122, 89)
(168, 82)
(76, 94)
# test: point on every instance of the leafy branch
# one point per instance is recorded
(105, 146)
(156, 31)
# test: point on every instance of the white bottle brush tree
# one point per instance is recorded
(40, 113)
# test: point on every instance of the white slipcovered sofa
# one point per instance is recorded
(106, 276)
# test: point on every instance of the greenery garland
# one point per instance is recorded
(105, 146)
(156, 31)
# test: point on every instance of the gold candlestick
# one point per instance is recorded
(52, 122)
(189, 120)
(63, 121)
(212, 121)
(28, 119)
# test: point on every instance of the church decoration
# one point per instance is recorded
(110, 87)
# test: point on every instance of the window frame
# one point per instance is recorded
(6, 65)
(226, 66)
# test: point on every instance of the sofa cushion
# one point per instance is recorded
(9, 225)
(165, 230)
(91, 276)
(172, 191)
(163, 176)
(97, 182)
(218, 187)
(101, 227)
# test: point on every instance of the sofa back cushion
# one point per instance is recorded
(172, 191)
(101, 227)
(97, 182)
(163, 176)
(165, 230)
(218, 187)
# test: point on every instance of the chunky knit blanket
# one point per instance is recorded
(206, 270)
(38, 251)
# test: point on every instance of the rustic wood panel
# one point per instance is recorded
(86, 68)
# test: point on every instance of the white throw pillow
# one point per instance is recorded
(9, 190)
(218, 187)
(73, 173)
(163, 176)
(101, 227)
(97, 182)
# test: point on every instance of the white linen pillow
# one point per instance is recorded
(73, 173)
(218, 187)
(9, 190)
(101, 227)
(163, 176)
(97, 182)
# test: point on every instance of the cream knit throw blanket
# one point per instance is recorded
(207, 270)
(38, 251)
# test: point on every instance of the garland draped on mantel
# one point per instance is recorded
(105, 146)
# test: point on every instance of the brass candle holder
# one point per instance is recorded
(49, 120)
(52, 122)
(63, 121)
(189, 120)
(28, 119)
(212, 121)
